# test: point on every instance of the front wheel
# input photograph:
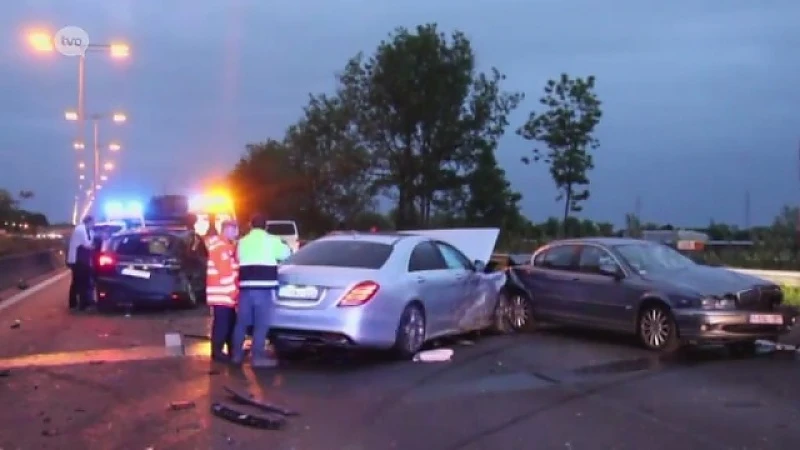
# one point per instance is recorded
(410, 332)
(657, 329)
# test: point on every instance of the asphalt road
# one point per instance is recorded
(103, 382)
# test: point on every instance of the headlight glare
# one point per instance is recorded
(718, 303)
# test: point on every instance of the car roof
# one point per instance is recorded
(389, 238)
(154, 231)
(606, 241)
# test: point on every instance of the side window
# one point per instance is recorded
(538, 260)
(453, 258)
(425, 256)
(559, 257)
(592, 258)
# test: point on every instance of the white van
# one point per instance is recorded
(286, 230)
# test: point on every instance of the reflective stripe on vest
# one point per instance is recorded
(258, 259)
(220, 300)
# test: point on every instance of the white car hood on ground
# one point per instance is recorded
(477, 243)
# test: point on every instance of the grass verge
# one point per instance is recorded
(791, 295)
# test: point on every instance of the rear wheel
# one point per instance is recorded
(410, 332)
(520, 314)
(192, 301)
(657, 329)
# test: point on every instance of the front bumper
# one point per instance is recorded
(704, 326)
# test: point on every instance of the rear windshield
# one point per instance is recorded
(106, 230)
(281, 229)
(144, 245)
(346, 253)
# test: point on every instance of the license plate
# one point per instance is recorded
(766, 319)
(298, 292)
(136, 273)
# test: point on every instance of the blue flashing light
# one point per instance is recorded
(136, 208)
(113, 209)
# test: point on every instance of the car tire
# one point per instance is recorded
(745, 349)
(410, 332)
(191, 294)
(502, 319)
(657, 329)
(522, 314)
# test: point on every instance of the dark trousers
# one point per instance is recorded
(222, 329)
(80, 288)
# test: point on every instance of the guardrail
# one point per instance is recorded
(782, 277)
(16, 268)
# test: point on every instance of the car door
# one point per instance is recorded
(435, 286)
(468, 301)
(556, 273)
(605, 300)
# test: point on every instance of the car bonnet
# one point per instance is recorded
(476, 243)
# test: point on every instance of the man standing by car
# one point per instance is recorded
(79, 260)
(258, 254)
(221, 288)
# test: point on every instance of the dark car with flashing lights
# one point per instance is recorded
(154, 267)
(649, 290)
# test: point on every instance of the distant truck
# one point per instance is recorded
(286, 230)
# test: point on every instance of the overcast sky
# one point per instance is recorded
(700, 96)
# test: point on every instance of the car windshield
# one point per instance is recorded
(653, 257)
(106, 230)
(281, 229)
(344, 253)
(143, 245)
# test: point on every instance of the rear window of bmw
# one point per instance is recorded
(342, 253)
(144, 244)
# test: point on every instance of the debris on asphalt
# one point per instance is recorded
(266, 407)
(181, 405)
(96, 362)
(249, 420)
(17, 323)
(4, 373)
(173, 343)
(436, 355)
(466, 342)
(23, 285)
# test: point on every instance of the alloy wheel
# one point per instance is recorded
(518, 312)
(414, 330)
(655, 327)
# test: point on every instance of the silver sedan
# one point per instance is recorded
(389, 291)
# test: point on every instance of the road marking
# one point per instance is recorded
(97, 356)
(44, 284)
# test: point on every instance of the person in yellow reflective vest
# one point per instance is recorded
(258, 254)
(221, 288)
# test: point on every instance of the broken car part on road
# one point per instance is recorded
(270, 422)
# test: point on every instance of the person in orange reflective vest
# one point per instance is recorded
(222, 287)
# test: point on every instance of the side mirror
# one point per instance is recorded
(480, 266)
(611, 270)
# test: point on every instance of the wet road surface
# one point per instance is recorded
(105, 382)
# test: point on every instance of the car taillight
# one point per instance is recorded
(105, 261)
(360, 294)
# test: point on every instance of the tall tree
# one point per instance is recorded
(572, 110)
(425, 115)
(334, 166)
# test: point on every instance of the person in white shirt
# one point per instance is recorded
(79, 260)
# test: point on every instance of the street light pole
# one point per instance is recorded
(81, 123)
(96, 176)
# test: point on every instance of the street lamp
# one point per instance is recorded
(71, 115)
(108, 167)
(81, 177)
(81, 165)
(77, 145)
(114, 147)
(43, 41)
(119, 118)
(103, 178)
(116, 117)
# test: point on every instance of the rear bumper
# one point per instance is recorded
(701, 326)
(113, 294)
(335, 327)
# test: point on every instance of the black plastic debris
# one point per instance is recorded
(265, 407)
(17, 323)
(248, 420)
(23, 285)
(4, 373)
(181, 405)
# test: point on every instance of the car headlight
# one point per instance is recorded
(718, 303)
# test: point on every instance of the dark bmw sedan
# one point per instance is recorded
(151, 267)
(649, 290)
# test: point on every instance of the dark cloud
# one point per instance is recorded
(699, 97)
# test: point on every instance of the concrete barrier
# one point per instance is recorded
(16, 268)
(782, 277)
